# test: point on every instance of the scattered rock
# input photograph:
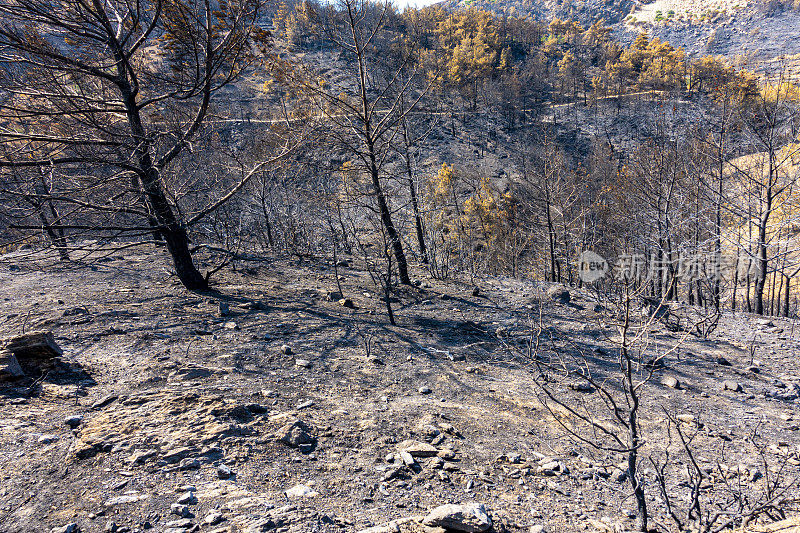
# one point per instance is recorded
(303, 363)
(347, 302)
(286, 349)
(655, 363)
(104, 401)
(224, 472)
(417, 448)
(175, 455)
(188, 498)
(126, 498)
(190, 373)
(721, 361)
(334, 296)
(9, 366)
(213, 518)
(181, 510)
(182, 524)
(537, 528)
(581, 386)
(73, 421)
(476, 291)
(141, 456)
(424, 390)
(69, 528)
(47, 439)
(732, 385)
(301, 491)
(470, 518)
(407, 459)
(189, 463)
(295, 433)
(224, 309)
(305, 405)
(671, 382)
(558, 293)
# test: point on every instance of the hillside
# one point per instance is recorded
(761, 35)
(178, 406)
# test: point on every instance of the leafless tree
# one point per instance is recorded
(109, 95)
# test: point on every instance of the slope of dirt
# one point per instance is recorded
(176, 399)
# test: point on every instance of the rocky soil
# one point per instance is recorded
(271, 406)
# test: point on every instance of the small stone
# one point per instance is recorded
(231, 325)
(687, 419)
(213, 518)
(188, 498)
(470, 518)
(47, 439)
(73, 421)
(347, 302)
(301, 491)
(104, 401)
(424, 390)
(295, 434)
(9, 366)
(224, 472)
(671, 382)
(732, 385)
(181, 510)
(721, 361)
(190, 463)
(306, 404)
(446, 454)
(286, 349)
(224, 309)
(407, 458)
(334, 296)
(190, 373)
(537, 528)
(183, 523)
(558, 293)
(69, 528)
(476, 291)
(125, 498)
(581, 386)
(417, 448)
(303, 363)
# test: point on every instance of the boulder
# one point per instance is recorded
(470, 518)
(35, 347)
